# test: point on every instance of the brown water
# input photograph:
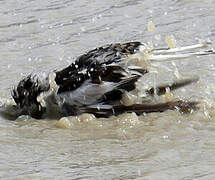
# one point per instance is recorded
(47, 35)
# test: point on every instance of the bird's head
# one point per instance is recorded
(26, 93)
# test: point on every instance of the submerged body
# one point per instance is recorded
(94, 83)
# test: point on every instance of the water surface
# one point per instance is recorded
(47, 35)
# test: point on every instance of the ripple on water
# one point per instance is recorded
(165, 145)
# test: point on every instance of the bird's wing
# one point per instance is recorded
(103, 110)
(90, 93)
(95, 63)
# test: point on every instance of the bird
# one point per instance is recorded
(94, 83)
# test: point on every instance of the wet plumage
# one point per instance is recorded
(94, 83)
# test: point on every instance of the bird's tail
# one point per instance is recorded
(161, 90)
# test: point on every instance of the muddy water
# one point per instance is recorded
(47, 35)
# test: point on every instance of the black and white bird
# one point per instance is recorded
(94, 83)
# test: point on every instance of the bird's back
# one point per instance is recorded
(98, 65)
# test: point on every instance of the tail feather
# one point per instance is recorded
(160, 90)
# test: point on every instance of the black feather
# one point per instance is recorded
(182, 106)
(99, 68)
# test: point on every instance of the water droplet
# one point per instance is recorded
(83, 29)
(165, 136)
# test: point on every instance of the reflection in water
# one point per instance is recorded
(47, 35)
